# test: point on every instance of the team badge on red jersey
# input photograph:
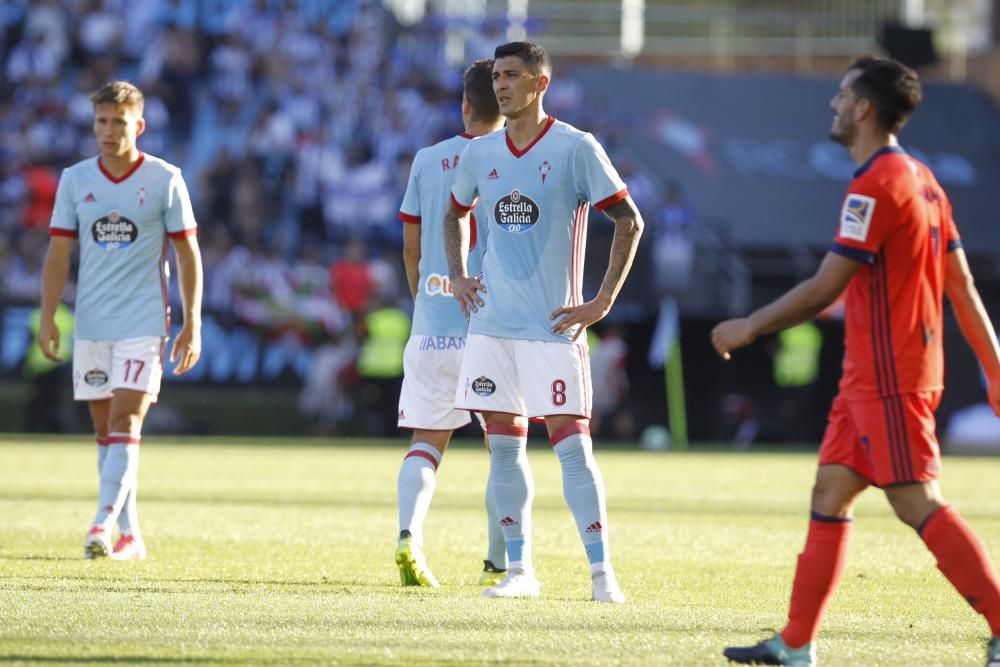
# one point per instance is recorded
(856, 217)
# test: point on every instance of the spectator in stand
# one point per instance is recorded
(350, 277)
(41, 196)
(673, 243)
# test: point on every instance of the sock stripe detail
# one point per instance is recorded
(419, 453)
(124, 439)
(512, 430)
(816, 516)
(571, 429)
(102, 440)
(927, 519)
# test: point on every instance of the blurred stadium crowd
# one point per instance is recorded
(294, 121)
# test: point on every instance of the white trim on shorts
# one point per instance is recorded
(531, 378)
(102, 366)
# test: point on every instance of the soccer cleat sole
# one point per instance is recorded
(94, 549)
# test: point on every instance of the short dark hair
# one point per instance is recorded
(119, 92)
(891, 87)
(533, 55)
(478, 79)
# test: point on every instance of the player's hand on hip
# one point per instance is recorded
(187, 349)
(466, 290)
(731, 335)
(48, 340)
(581, 316)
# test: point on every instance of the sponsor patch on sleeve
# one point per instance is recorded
(856, 217)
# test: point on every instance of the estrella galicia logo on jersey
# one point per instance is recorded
(437, 284)
(516, 212)
(484, 386)
(856, 217)
(95, 377)
(115, 231)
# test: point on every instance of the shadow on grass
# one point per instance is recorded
(116, 659)
(699, 507)
(114, 584)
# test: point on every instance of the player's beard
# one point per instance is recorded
(843, 131)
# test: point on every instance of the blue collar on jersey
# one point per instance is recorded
(882, 151)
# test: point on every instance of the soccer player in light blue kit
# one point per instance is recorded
(525, 356)
(122, 205)
(434, 352)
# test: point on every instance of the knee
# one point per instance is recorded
(911, 508)
(829, 500)
(124, 423)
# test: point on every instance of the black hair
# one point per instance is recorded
(533, 55)
(478, 79)
(892, 88)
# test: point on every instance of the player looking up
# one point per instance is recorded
(434, 352)
(122, 205)
(897, 252)
(525, 356)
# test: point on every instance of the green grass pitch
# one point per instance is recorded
(280, 552)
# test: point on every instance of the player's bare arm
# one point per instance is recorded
(411, 256)
(973, 321)
(55, 273)
(801, 303)
(187, 347)
(628, 230)
(456, 249)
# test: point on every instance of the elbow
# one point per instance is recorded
(638, 225)
(632, 226)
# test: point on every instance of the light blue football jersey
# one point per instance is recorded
(535, 203)
(122, 224)
(436, 313)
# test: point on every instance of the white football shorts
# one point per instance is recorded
(532, 378)
(101, 366)
(430, 375)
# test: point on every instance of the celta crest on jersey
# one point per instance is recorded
(114, 230)
(544, 168)
(516, 212)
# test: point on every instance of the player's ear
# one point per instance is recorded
(862, 108)
(140, 125)
(543, 83)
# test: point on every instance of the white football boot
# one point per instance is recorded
(129, 548)
(605, 588)
(517, 584)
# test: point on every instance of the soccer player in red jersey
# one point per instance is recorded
(896, 253)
